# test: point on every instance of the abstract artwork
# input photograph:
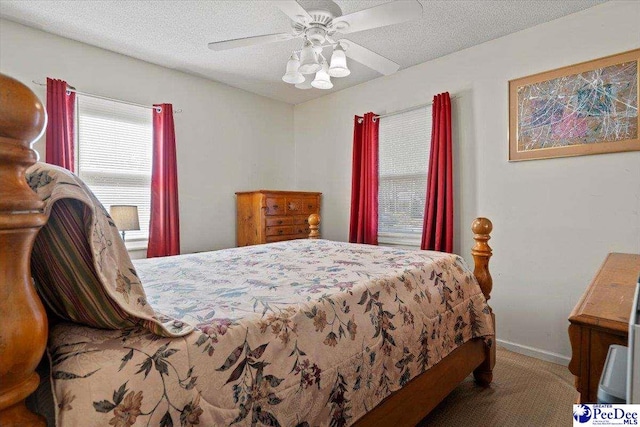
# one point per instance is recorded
(588, 108)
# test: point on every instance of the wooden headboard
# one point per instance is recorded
(23, 331)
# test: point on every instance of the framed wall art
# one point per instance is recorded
(587, 108)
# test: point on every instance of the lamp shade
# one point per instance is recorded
(338, 66)
(308, 59)
(322, 80)
(306, 84)
(125, 217)
(292, 75)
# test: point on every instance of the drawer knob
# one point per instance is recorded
(306, 221)
(279, 222)
(280, 231)
(274, 206)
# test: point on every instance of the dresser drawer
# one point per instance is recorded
(275, 206)
(288, 229)
(294, 205)
(301, 229)
(281, 231)
(275, 222)
(299, 220)
(265, 216)
(309, 206)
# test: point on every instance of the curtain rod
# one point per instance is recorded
(406, 110)
(106, 98)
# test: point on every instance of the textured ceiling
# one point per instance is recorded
(175, 34)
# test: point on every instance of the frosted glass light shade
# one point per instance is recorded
(292, 75)
(308, 60)
(322, 80)
(306, 84)
(338, 66)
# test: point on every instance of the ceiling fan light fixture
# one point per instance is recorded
(293, 75)
(306, 84)
(308, 59)
(322, 80)
(338, 66)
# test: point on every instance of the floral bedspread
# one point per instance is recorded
(298, 333)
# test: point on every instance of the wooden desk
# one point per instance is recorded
(601, 318)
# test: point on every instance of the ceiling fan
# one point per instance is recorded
(317, 25)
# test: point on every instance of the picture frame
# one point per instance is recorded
(581, 109)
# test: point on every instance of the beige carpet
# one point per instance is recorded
(525, 392)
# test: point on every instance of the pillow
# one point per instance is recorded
(80, 264)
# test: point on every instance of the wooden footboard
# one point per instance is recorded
(23, 331)
(410, 404)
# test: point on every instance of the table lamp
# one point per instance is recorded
(125, 217)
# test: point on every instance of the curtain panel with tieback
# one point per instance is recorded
(363, 226)
(437, 233)
(164, 225)
(60, 134)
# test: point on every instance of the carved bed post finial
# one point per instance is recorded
(314, 221)
(23, 333)
(481, 252)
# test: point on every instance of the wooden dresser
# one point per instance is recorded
(601, 318)
(266, 216)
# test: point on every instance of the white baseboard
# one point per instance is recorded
(535, 352)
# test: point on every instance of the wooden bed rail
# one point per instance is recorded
(23, 328)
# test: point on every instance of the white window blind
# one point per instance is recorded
(404, 144)
(114, 155)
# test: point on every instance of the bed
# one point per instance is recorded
(307, 332)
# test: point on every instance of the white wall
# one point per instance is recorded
(227, 139)
(554, 220)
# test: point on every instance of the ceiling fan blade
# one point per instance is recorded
(293, 10)
(390, 13)
(369, 58)
(249, 41)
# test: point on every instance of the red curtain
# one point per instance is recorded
(363, 227)
(437, 232)
(164, 227)
(60, 144)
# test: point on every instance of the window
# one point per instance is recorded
(404, 143)
(114, 155)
